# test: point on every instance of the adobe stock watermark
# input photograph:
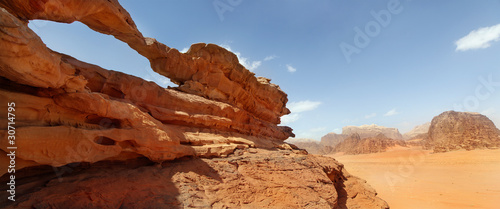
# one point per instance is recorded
(222, 6)
(483, 91)
(406, 168)
(372, 29)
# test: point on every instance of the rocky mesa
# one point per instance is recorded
(89, 137)
(462, 130)
(373, 130)
(354, 144)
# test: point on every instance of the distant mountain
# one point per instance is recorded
(419, 131)
(354, 144)
(462, 130)
(332, 139)
(373, 130)
(310, 145)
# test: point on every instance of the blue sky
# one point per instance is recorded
(403, 71)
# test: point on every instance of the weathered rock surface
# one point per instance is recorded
(354, 144)
(206, 70)
(88, 137)
(332, 139)
(373, 130)
(419, 131)
(462, 130)
(311, 146)
(100, 114)
(249, 178)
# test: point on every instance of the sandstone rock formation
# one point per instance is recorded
(419, 131)
(103, 134)
(373, 130)
(332, 139)
(462, 130)
(218, 107)
(249, 178)
(311, 146)
(354, 144)
(361, 139)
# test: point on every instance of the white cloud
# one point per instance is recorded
(319, 129)
(248, 65)
(290, 68)
(370, 115)
(479, 39)
(158, 79)
(296, 108)
(313, 133)
(184, 50)
(287, 119)
(268, 58)
(337, 130)
(391, 112)
(243, 60)
(303, 106)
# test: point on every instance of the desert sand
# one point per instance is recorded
(415, 178)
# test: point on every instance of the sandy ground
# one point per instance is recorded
(414, 178)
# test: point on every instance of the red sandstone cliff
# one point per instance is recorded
(88, 137)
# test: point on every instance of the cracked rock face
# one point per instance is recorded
(462, 130)
(89, 137)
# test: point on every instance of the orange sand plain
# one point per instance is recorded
(414, 178)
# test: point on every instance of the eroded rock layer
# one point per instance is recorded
(206, 70)
(88, 137)
(249, 178)
(64, 102)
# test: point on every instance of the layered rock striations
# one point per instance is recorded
(88, 137)
(217, 108)
(354, 144)
(206, 70)
(250, 178)
(462, 130)
(373, 130)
